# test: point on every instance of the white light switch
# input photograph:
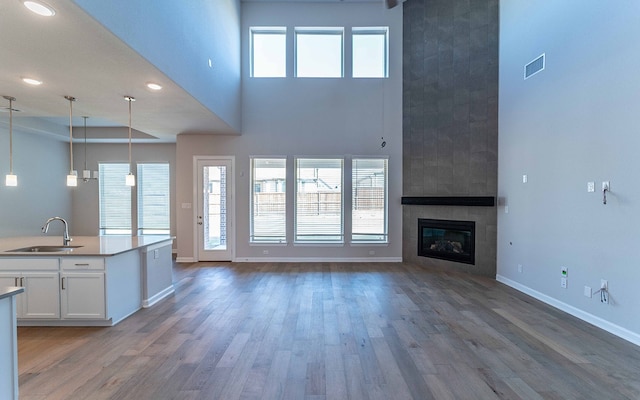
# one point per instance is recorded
(525, 178)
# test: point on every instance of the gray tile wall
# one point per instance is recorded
(450, 119)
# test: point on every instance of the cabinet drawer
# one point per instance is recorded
(29, 264)
(76, 263)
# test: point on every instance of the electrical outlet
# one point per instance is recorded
(372, 252)
(604, 285)
(525, 178)
(265, 252)
(156, 254)
(591, 187)
(563, 283)
(564, 271)
(606, 186)
(587, 291)
(520, 268)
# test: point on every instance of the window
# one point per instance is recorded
(319, 52)
(318, 209)
(369, 200)
(370, 52)
(114, 199)
(268, 52)
(268, 200)
(153, 199)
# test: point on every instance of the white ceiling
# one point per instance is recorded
(74, 55)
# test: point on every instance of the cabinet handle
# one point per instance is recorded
(62, 283)
(16, 282)
(22, 281)
(82, 265)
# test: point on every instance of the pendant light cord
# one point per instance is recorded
(71, 100)
(11, 99)
(85, 143)
(130, 100)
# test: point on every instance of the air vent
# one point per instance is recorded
(534, 67)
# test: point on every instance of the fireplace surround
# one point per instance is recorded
(447, 240)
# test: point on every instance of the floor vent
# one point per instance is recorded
(534, 67)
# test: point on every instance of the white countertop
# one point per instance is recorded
(89, 245)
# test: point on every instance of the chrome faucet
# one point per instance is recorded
(66, 240)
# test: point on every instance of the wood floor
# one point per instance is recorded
(331, 331)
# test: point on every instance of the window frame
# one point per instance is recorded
(318, 30)
(266, 30)
(297, 237)
(383, 238)
(253, 239)
(362, 31)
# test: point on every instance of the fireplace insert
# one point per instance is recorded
(447, 240)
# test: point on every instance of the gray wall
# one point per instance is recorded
(306, 117)
(573, 123)
(41, 164)
(450, 119)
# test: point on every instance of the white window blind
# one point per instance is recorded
(268, 52)
(370, 52)
(319, 52)
(268, 200)
(319, 201)
(369, 200)
(153, 199)
(114, 199)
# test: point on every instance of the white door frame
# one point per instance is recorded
(231, 206)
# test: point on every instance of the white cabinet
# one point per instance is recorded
(40, 278)
(82, 288)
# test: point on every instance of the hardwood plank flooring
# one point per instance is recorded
(331, 331)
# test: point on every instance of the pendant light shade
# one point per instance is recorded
(130, 179)
(11, 179)
(72, 178)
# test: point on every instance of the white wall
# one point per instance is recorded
(41, 164)
(307, 117)
(573, 123)
(86, 211)
(178, 38)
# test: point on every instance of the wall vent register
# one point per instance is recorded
(534, 66)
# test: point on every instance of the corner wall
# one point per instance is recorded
(450, 120)
(573, 123)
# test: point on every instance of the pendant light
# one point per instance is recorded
(72, 178)
(86, 173)
(130, 179)
(11, 179)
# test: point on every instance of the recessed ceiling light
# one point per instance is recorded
(32, 81)
(154, 86)
(40, 8)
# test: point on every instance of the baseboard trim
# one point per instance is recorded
(576, 312)
(157, 297)
(185, 259)
(320, 259)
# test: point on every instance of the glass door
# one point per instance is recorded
(214, 217)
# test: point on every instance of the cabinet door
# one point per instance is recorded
(41, 295)
(13, 279)
(82, 295)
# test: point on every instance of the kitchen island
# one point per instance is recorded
(94, 281)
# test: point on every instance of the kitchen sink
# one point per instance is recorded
(43, 249)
